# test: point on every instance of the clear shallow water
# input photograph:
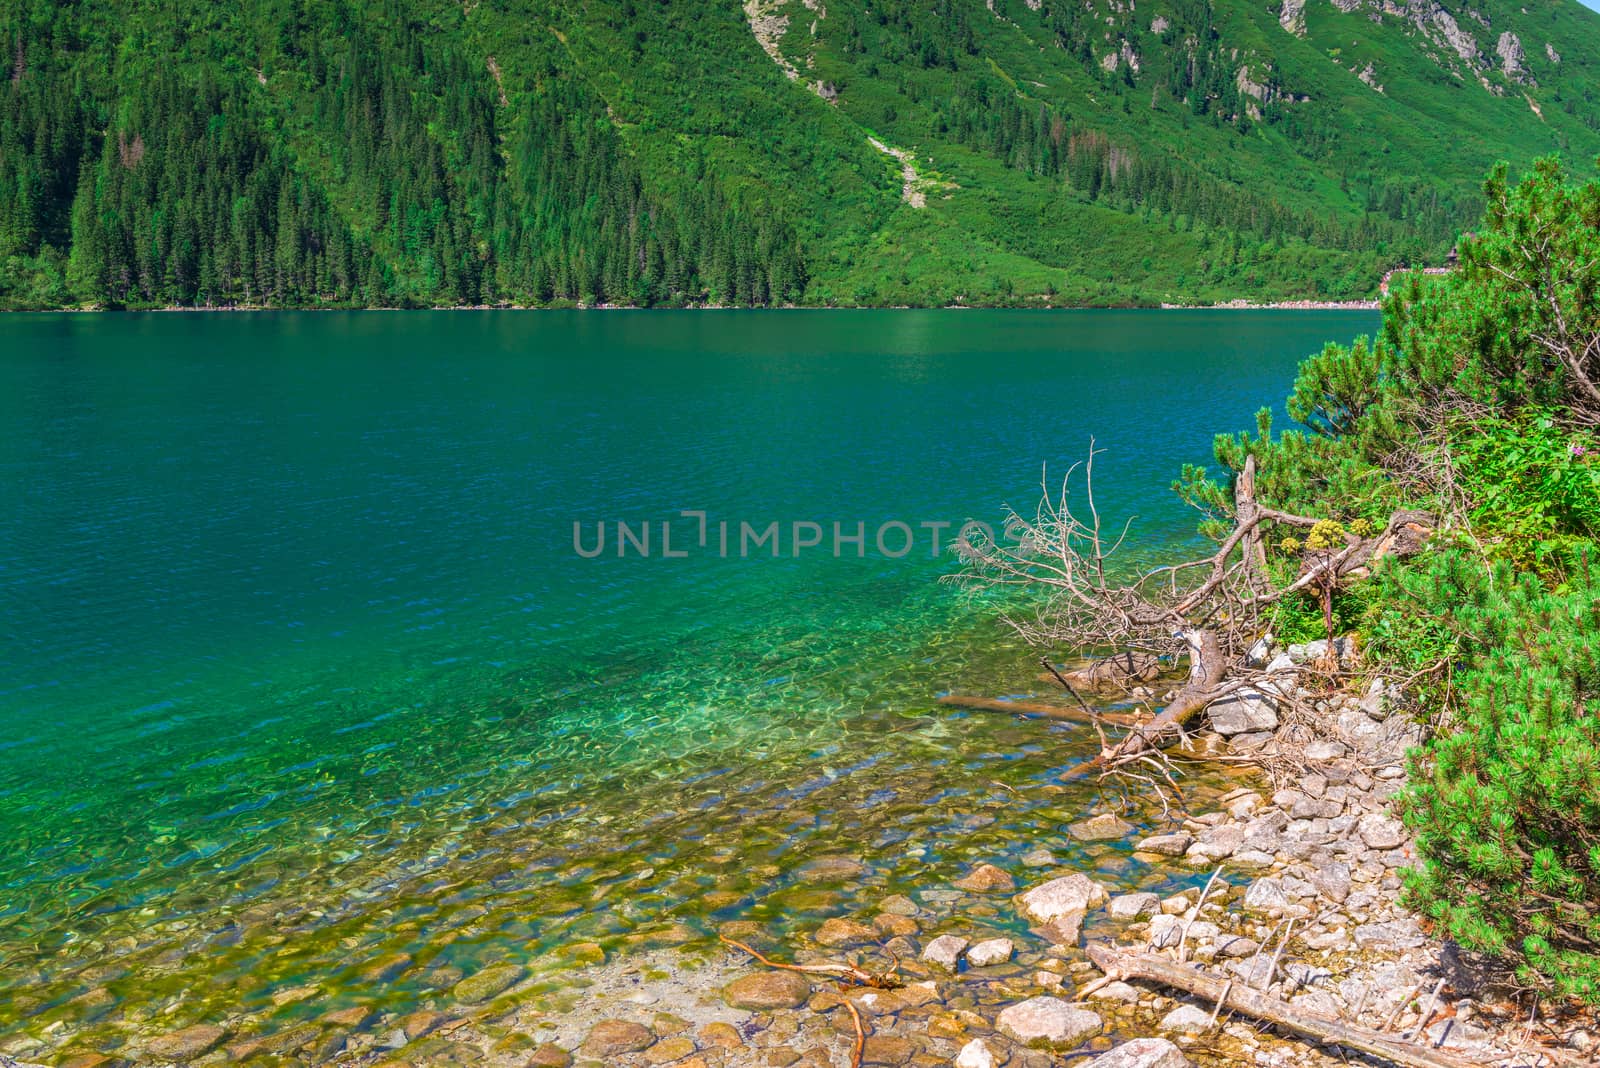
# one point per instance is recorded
(301, 669)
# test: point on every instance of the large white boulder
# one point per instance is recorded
(1048, 1023)
(1058, 898)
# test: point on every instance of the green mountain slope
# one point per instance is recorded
(414, 152)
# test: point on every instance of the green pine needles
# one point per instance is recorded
(1479, 404)
(1506, 804)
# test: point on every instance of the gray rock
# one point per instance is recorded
(1185, 1018)
(1305, 975)
(1040, 858)
(1165, 930)
(1244, 712)
(1281, 664)
(1316, 808)
(1266, 894)
(989, 952)
(1218, 842)
(1168, 845)
(1128, 906)
(945, 951)
(1143, 1053)
(1236, 946)
(1048, 1023)
(1388, 936)
(1118, 991)
(1332, 880)
(1380, 831)
(1326, 750)
(1338, 938)
(1359, 728)
(1318, 1002)
(1060, 897)
(1063, 930)
(1251, 741)
(1243, 804)
(1255, 971)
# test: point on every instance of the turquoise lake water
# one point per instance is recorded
(295, 630)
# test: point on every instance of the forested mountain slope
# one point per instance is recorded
(421, 152)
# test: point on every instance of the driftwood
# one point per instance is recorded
(1237, 998)
(1038, 708)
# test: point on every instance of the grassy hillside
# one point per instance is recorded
(347, 152)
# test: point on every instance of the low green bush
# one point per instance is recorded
(1478, 403)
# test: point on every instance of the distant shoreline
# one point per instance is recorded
(1232, 305)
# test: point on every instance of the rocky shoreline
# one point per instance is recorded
(1302, 906)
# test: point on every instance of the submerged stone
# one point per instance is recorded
(187, 1044)
(985, 879)
(611, 1037)
(722, 1035)
(670, 1049)
(888, 1050)
(837, 932)
(1103, 827)
(830, 870)
(485, 984)
(417, 1024)
(550, 1055)
(385, 969)
(767, 990)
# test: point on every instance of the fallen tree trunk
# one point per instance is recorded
(1208, 667)
(1238, 998)
(1036, 708)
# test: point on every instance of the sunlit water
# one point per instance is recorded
(303, 682)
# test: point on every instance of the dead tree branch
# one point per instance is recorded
(1208, 611)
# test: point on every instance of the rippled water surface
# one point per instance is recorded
(304, 686)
